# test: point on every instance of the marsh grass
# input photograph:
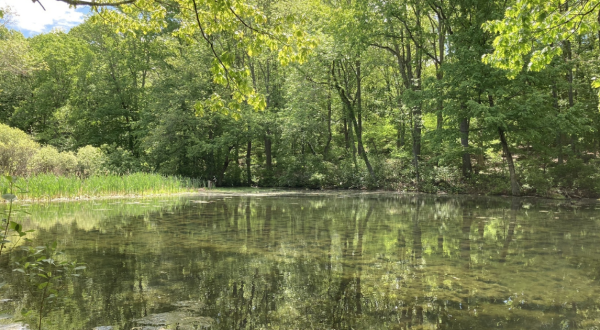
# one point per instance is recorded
(50, 186)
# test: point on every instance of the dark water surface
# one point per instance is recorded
(332, 261)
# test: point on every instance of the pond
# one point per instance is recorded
(318, 261)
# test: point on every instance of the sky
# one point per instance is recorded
(31, 19)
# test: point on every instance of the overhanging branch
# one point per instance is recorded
(94, 3)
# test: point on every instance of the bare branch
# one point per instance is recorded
(38, 1)
(95, 3)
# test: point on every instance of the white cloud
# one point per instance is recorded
(33, 19)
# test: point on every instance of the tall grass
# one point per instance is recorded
(50, 186)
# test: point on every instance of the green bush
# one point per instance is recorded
(535, 181)
(16, 149)
(49, 160)
(21, 156)
(67, 163)
(90, 160)
(575, 174)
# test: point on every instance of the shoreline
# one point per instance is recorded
(266, 192)
(282, 191)
(104, 197)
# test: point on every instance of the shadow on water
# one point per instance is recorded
(331, 261)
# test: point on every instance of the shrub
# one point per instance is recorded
(67, 163)
(536, 181)
(90, 160)
(44, 160)
(16, 149)
(577, 175)
(49, 160)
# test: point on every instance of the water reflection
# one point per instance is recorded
(347, 261)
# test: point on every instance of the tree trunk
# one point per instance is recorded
(558, 134)
(363, 154)
(569, 56)
(401, 138)
(351, 116)
(352, 145)
(346, 137)
(268, 151)
(416, 141)
(329, 134)
(221, 175)
(441, 45)
(514, 184)
(248, 160)
(467, 168)
(440, 102)
(359, 107)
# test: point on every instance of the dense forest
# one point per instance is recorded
(455, 96)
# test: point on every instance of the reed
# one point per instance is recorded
(50, 186)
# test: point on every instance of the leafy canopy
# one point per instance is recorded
(234, 30)
(532, 32)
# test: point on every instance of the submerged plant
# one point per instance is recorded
(8, 224)
(46, 276)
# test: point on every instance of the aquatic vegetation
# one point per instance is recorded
(49, 186)
(8, 223)
(46, 276)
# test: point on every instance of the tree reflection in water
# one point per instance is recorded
(330, 261)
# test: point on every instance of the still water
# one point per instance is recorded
(318, 261)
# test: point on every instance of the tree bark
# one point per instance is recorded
(346, 137)
(352, 145)
(248, 162)
(363, 154)
(268, 152)
(351, 116)
(569, 55)
(359, 107)
(416, 142)
(221, 174)
(514, 184)
(329, 134)
(467, 168)
(401, 138)
(441, 44)
(559, 133)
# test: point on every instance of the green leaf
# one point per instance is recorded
(9, 197)
(15, 226)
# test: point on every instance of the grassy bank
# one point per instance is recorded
(50, 186)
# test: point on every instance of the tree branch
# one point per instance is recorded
(212, 46)
(389, 49)
(95, 3)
